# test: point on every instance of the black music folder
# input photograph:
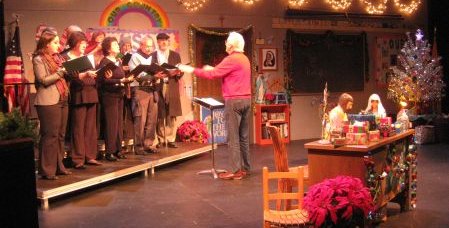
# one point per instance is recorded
(126, 58)
(110, 66)
(80, 64)
(208, 102)
(150, 69)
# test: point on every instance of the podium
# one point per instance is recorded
(211, 104)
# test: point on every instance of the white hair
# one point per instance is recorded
(236, 41)
(380, 108)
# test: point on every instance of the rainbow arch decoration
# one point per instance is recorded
(111, 14)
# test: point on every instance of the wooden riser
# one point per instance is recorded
(95, 175)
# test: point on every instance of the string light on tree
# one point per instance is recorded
(248, 2)
(418, 77)
(297, 3)
(339, 4)
(192, 5)
(408, 9)
(371, 8)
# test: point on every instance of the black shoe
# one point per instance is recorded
(172, 145)
(120, 155)
(101, 156)
(140, 151)
(150, 150)
(110, 157)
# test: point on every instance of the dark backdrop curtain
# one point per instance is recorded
(207, 47)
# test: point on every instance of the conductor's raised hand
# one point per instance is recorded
(208, 68)
(185, 68)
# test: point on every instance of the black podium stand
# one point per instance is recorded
(210, 104)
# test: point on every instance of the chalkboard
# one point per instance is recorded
(315, 59)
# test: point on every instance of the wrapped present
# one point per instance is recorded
(374, 136)
(355, 129)
(385, 120)
(356, 138)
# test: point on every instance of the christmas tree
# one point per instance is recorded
(418, 77)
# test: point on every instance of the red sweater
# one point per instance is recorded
(235, 71)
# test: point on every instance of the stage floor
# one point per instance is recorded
(94, 175)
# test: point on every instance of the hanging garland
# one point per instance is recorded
(371, 8)
(339, 4)
(408, 9)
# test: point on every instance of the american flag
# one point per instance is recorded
(14, 77)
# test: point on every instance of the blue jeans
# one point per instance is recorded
(237, 113)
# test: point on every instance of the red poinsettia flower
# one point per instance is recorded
(337, 200)
(193, 131)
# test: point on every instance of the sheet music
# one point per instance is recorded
(210, 101)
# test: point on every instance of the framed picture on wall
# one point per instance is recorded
(268, 59)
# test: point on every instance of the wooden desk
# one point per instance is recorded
(390, 154)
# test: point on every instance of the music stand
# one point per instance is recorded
(210, 104)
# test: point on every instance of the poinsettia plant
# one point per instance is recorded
(339, 202)
(193, 131)
(269, 97)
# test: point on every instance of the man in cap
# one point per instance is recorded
(169, 105)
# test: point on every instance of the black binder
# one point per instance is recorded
(80, 64)
(110, 66)
(126, 58)
(150, 69)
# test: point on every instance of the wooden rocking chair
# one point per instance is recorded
(277, 217)
(281, 163)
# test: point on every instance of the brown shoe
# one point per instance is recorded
(231, 176)
(93, 162)
(226, 176)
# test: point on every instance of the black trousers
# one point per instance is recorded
(113, 118)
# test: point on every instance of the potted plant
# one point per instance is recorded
(339, 202)
(17, 172)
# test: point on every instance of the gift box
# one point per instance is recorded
(356, 138)
(374, 136)
(385, 120)
(355, 129)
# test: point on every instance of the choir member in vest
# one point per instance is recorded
(94, 46)
(83, 106)
(169, 96)
(51, 105)
(112, 92)
(144, 100)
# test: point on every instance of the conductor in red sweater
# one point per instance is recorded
(235, 73)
